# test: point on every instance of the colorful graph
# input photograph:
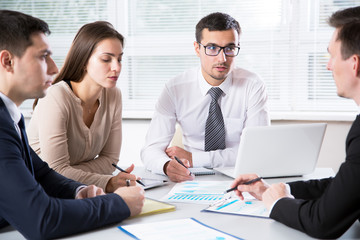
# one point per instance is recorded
(202, 192)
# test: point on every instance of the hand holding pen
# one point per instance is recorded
(182, 164)
(127, 180)
(245, 183)
(228, 196)
(250, 183)
(177, 171)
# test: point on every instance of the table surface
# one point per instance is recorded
(241, 226)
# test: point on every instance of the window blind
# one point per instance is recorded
(64, 17)
(284, 41)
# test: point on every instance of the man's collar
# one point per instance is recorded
(11, 107)
(205, 86)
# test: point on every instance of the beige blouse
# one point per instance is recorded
(59, 135)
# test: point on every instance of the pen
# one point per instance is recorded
(245, 183)
(122, 170)
(181, 163)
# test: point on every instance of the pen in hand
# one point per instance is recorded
(181, 164)
(245, 183)
(122, 170)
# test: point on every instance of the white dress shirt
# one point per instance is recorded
(184, 100)
(14, 111)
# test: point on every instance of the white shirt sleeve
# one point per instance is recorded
(159, 135)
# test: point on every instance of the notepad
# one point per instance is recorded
(152, 206)
(178, 229)
(152, 183)
(198, 171)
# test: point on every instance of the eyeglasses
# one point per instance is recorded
(229, 51)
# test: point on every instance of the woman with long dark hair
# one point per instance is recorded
(76, 128)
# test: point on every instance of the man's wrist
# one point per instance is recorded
(288, 189)
(165, 167)
(78, 189)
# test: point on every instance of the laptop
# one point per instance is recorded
(278, 150)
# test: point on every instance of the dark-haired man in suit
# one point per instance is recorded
(34, 199)
(324, 208)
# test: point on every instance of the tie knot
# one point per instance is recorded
(215, 93)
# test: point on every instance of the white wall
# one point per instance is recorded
(332, 153)
(133, 139)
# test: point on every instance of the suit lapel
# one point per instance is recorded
(25, 143)
(23, 140)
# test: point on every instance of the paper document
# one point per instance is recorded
(234, 205)
(200, 192)
(178, 229)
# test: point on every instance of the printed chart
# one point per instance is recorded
(201, 192)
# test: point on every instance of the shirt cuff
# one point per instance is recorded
(272, 206)
(78, 189)
(201, 159)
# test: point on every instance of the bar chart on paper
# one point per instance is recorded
(201, 192)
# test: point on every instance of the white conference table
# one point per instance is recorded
(240, 226)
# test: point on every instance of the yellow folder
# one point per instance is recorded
(152, 206)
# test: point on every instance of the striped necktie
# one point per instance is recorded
(214, 128)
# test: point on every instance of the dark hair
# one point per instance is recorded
(16, 29)
(344, 16)
(82, 47)
(349, 36)
(216, 22)
(347, 21)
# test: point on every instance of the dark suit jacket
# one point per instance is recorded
(326, 208)
(41, 205)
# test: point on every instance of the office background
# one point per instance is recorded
(284, 41)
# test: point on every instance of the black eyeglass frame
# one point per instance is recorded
(220, 48)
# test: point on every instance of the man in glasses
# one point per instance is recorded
(212, 104)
